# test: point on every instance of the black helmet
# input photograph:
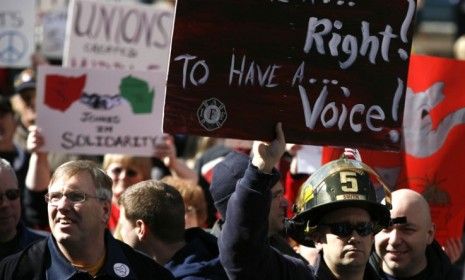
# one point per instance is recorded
(338, 184)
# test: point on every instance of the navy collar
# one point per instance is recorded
(116, 264)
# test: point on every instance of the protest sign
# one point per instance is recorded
(118, 36)
(16, 33)
(334, 72)
(78, 113)
(53, 23)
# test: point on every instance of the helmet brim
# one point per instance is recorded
(378, 212)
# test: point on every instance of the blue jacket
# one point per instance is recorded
(244, 248)
(42, 260)
(198, 259)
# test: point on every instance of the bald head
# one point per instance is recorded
(412, 205)
(402, 246)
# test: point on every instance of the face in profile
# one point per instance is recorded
(127, 229)
(278, 209)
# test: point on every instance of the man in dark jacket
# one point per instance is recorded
(80, 247)
(407, 249)
(14, 236)
(336, 208)
(152, 221)
(226, 174)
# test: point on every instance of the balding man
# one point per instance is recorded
(407, 249)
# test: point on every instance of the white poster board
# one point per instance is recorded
(118, 36)
(17, 19)
(96, 111)
(53, 32)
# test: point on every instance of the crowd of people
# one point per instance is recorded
(199, 208)
(128, 217)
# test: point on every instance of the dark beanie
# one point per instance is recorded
(225, 177)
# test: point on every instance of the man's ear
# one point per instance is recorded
(142, 229)
(106, 211)
(431, 233)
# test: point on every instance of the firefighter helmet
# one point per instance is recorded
(338, 184)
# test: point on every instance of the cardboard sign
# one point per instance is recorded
(334, 72)
(53, 32)
(118, 36)
(121, 115)
(16, 33)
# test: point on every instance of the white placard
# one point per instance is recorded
(53, 32)
(96, 111)
(16, 33)
(309, 159)
(118, 36)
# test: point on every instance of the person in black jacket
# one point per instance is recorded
(152, 221)
(80, 247)
(407, 249)
(14, 236)
(337, 209)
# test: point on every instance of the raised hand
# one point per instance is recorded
(267, 154)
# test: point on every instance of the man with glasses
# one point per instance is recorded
(336, 209)
(80, 247)
(14, 236)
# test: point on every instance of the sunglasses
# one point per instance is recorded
(346, 229)
(129, 172)
(11, 194)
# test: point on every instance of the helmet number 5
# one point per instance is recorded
(349, 181)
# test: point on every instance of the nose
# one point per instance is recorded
(395, 237)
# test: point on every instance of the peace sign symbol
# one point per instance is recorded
(13, 46)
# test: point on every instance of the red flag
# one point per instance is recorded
(434, 129)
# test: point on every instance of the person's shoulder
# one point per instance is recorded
(143, 264)
(30, 235)
(25, 262)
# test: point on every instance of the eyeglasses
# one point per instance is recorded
(129, 172)
(11, 194)
(346, 229)
(74, 196)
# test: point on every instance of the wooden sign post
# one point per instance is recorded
(334, 72)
